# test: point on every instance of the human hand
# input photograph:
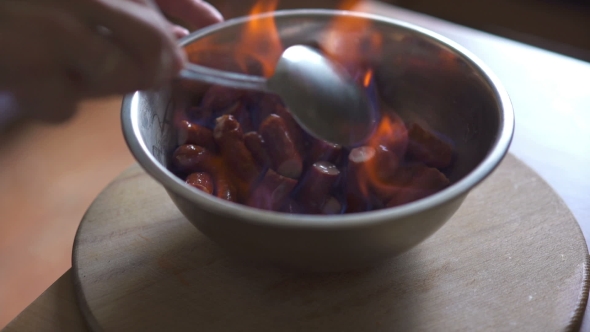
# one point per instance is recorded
(194, 14)
(57, 52)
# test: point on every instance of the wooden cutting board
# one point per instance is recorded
(511, 259)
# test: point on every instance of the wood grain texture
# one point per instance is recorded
(55, 310)
(512, 258)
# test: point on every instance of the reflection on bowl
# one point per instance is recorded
(425, 78)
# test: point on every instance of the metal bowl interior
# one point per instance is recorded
(422, 76)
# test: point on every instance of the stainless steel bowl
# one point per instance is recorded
(420, 74)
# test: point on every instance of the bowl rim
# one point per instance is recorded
(130, 126)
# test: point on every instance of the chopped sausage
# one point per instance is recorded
(332, 206)
(201, 181)
(255, 143)
(284, 156)
(317, 183)
(224, 188)
(272, 191)
(426, 147)
(228, 135)
(416, 182)
(192, 158)
(357, 184)
(325, 151)
(191, 133)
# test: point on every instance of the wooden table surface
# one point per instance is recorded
(147, 269)
(551, 98)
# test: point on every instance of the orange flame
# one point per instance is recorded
(391, 133)
(257, 51)
(390, 141)
(348, 4)
(347, 41)
(367, 78)
(260, 39)
(382, 155)
(351, 41)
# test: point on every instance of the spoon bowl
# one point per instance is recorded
(321, 96)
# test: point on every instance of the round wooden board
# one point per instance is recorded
(511, 259)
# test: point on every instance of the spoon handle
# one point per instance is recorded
(233, 80)
(213, 76)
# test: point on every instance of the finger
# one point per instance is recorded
(179, 32)
(140, 32)
(43, 36)
(194, 13)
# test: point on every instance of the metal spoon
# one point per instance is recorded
(322, 98)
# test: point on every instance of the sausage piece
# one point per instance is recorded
(241, 113)
(317, 184)
(202, 181)
(192, 158)
(357, 185)
(237, 157)
(374, 169)
(416, 182)
(332, 206)
(385, 164)
(224, 188)
(295, 131)
(191, 133)
(426, 147)
(284, 156)
(255, 143)
(325, 151)
(272, 191)
(392, 134)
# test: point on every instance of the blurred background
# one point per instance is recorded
(561, 26)
(49, 175)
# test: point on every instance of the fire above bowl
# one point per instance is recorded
(427, 79)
